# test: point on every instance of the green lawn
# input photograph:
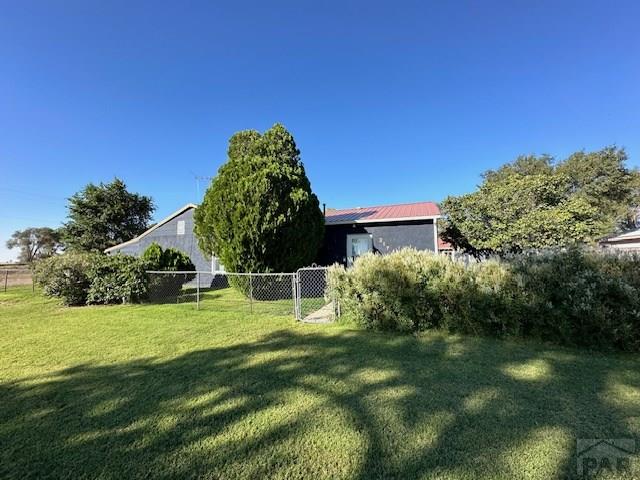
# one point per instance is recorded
(232, 301)
(166, 391)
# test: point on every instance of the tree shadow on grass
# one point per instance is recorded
(305, 404)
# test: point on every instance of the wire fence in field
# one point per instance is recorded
(269, 293)
(13, 276)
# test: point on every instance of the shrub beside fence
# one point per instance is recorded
(65, 277)
(82, 279)
(91, 278)
(571, 297)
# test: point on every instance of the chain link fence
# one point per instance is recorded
(261, 293)
(303, 294)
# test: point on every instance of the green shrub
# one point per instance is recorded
(152, 256)
(391, 292)
(116, 279)
(169, 259)
(81, 278)
(581, 297)
(493, 300)
(571, 297)
(65, 276)
(176, 261)
(165, 287)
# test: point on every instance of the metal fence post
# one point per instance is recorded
(250, 293)
(298, 296)
(293, 295)
(198, 291)
(6, 278)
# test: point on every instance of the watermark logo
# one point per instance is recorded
(598, 455)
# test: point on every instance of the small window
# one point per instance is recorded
(180, 227)
(358, 244)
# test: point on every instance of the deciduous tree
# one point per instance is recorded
(104, 215)
(35, 243)
(535, 202)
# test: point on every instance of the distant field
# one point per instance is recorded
(14, 274)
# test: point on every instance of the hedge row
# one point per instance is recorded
(86, 278)
(571, 297)
(92, 278)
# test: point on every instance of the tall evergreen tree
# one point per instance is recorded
(259, 213)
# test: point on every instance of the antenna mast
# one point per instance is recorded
(198, 178)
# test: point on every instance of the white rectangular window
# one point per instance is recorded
(180, 227)
(357, 245)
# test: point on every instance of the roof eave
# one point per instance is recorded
(180, 211)
(382, 220)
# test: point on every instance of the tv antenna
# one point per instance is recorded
(198, 179)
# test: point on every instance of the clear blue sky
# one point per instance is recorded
(393, 102)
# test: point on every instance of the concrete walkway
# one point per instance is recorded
(323, 315)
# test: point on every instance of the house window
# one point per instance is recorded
(357, 245)
(180, 227)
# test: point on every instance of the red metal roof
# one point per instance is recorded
(383, 213)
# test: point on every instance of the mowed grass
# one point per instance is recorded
(165, 391)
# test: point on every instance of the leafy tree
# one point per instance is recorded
(523, 165)
(259, 213)
(35, 243)
(535, 203)
(604, 180)
(104, 215)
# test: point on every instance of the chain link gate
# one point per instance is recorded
(314, 302)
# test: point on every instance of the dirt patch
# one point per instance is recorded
(323, 315)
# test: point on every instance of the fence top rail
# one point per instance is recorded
(169, 272)
(217, 272)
